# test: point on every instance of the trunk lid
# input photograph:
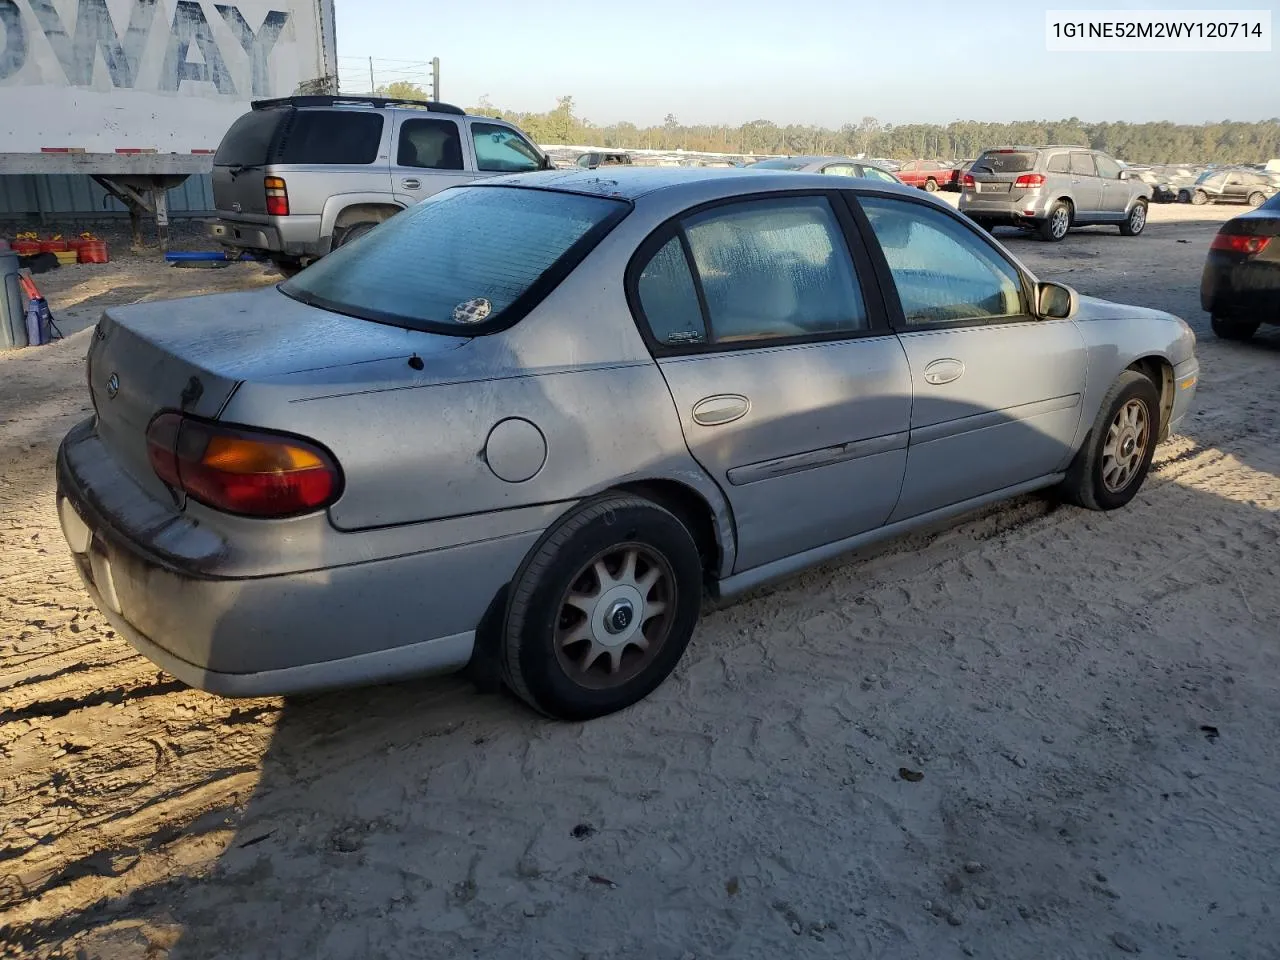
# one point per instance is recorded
(192, 355)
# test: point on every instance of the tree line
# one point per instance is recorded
(1155, 142)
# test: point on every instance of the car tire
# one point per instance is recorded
(931, 185)
(586, 595)
(985, 224)
(1136, 221)
(353, 232)
(1109, 469)
(1226, 329)
(1055, 226)
(1256, 199)
(1199, 198)
(288, 268)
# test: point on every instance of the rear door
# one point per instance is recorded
(792, 392)
(1086, 186)
(996, 391)
(428, 154)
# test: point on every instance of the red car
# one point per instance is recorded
(925, 174)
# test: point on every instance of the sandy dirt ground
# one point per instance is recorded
(1092, 702)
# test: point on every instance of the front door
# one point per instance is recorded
(792, 392)
(1085, 185)
(996, 393)
(1115, 191)
(499, 148)
(427, 156)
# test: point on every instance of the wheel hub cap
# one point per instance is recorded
(1125, 446)
(614, 618)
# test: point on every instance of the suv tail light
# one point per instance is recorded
(1236, 243)
(277, 197)
(1030, 181)
(240, 470)
(968, 180)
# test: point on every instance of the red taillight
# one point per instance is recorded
(277, 197)
(1029, 181)
(968, 180)
(240, 470)
(1236, 243)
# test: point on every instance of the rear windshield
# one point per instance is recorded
(248, 141)
(463, 261)
(1005, 161)
(779, 164)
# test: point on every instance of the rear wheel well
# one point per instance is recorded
(691, 509)
(363, 213)
(1160, 372)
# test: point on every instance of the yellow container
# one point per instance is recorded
(67, 257)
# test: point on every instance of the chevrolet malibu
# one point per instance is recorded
(527, 425)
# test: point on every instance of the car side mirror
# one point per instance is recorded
(1126, 175)
(1056, 301)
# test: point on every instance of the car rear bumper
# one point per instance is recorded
(293, 236)
(1241, 289)
(357, 623)
(1006, 209)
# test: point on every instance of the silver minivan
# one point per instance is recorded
(297, 177)
(1052, 189)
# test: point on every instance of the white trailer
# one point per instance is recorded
(137, 93)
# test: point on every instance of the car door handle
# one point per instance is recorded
(720, 409)
(411, 183)
(943, 371)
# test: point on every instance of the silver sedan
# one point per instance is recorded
(525, 426)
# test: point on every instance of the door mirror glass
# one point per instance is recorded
(1056, 301)
(1126, 175)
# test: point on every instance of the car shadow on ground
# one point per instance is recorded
(751, 806)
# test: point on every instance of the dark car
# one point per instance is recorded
(593, 160)
(1240, 287)
(955, 179)
(1233, 186)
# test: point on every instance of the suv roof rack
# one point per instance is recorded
(326, 100)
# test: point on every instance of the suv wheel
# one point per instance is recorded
(1136, 221)
(931, 185)
(354, 232)
(1199, 198)
(1233, 329)
(1257, 198)
(1055, 226)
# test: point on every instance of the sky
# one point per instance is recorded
(824, 62)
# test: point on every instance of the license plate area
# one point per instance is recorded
(992, 187)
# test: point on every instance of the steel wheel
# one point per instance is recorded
(615, 616)
(1126, 445)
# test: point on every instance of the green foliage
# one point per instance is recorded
(402, 90)
(1158, 142)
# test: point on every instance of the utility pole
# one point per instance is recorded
(373, 87)
(435, 79)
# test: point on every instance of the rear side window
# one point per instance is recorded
(669, 299)
(330, 137)
(431, 144)
(461, 259)
(248, 142)
(1005, 161)
(875, 173)
(502, 150)
(1060, 163)
(775, 268)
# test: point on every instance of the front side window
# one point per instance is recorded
(875, 173)
(432, 144)
(839, 170)
(775, 268)
(501, 150)
(457, 261)
(1107, 167)
(943, 271)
